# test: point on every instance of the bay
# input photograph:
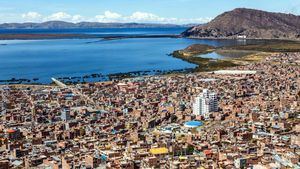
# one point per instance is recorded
(59, 58)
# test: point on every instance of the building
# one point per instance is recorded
(241, 37)
(240, 163)
(65, 115)
(235, 72)
(205, 103)
(295, 140)
(14, 134)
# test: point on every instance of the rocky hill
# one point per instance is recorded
(249, 23)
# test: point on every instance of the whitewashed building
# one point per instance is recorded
(205, 103)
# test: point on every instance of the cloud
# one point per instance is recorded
(59, 16)
(77, 18)
(109, 16)
(152, 18)
(113, 15)
(145, 17)
(32, 16)
(197, 20)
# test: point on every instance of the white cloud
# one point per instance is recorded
(144, 17)
(107, 16)
(77, 18)
(196, 20)
(32, 16)
(112, 15)
(59, 16)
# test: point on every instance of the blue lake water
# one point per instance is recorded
(59, 58)
(102, 32)
(212, 55)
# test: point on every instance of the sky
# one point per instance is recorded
(142, 11)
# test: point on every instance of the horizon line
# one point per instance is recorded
(146, 23)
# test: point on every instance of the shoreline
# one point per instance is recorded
(171, 73)
(190, 55)
(252, 53)
(242, 61)
(107, 81)
(45, 36)
(100, 77)
(49, 36)
(241, 39)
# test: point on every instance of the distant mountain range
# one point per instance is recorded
(249, 23)
(69, 25)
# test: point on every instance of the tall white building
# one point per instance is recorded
(65, 115)
(205, 103)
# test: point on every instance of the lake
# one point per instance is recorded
(60, 58)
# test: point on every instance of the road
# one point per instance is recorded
(75, 91)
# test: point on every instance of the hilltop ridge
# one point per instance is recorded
(249, 23)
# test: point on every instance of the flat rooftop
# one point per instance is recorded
(235, 72)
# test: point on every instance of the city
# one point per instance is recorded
(199, 120)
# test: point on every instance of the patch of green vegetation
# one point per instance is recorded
(194, 50)
(271, 46)
(234, 53)
(237, 55)
(204, 64)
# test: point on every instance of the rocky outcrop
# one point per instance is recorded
(249, 23)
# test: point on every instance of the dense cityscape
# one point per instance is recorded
(244, 118)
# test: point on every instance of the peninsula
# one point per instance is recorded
(235, 55)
